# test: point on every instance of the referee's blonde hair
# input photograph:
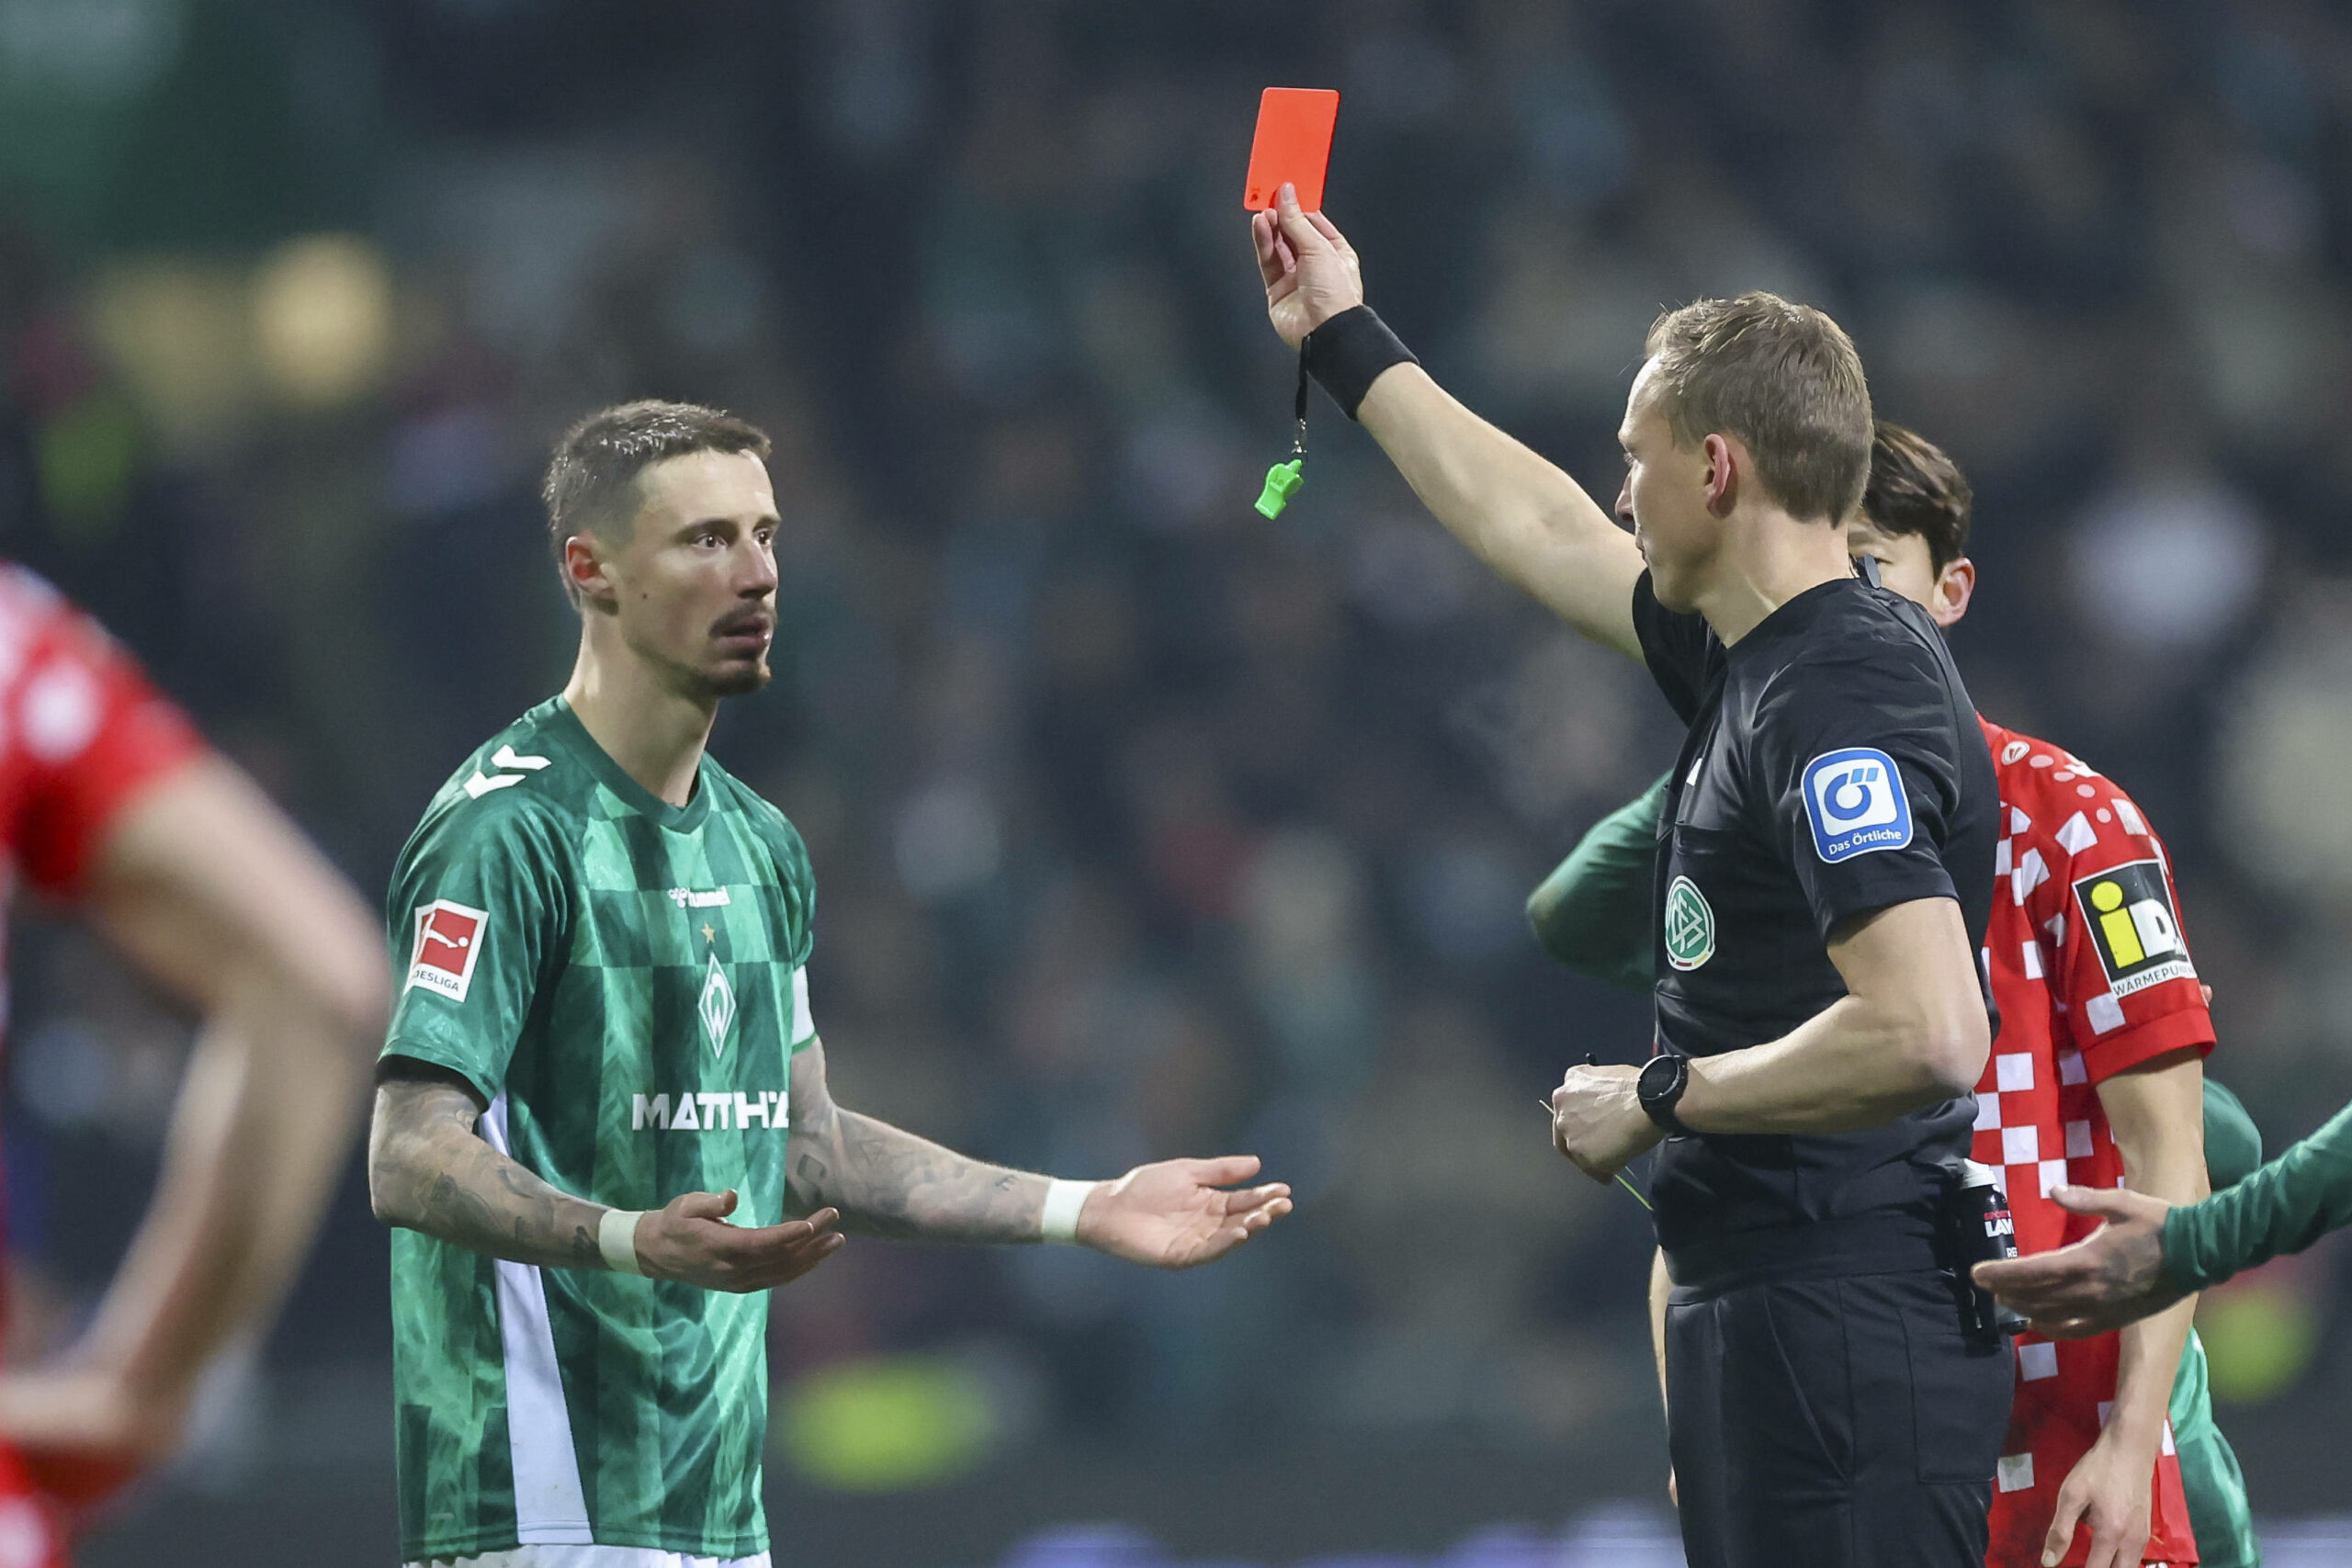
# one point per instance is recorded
(1782, 377)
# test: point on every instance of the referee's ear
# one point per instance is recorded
(1955, 587)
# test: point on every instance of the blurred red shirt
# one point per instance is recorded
(2092, 976)
(82, 733)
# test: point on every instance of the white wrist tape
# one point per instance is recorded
(616, 1239)
(1063, 1201)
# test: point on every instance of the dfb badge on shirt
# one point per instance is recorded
(449, 940)
(1855, 802)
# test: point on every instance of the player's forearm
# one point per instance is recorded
(2148, 1362)
(429, 1171)
(1518, 513)
(2156, 1115)
(2284, 1206)
(258, 1131)
(2148, 1353)
(889, 1182)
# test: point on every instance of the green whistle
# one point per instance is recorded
(1281, 482)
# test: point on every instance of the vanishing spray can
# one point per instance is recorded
(1986, 1232)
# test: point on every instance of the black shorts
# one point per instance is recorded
(1840, 1423)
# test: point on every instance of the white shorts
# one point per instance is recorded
(592, 1557)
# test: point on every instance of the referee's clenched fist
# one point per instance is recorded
(1598, 1120)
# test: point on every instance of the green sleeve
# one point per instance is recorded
(2232, 1142)
(477, 909)
(1593, 913)
(2283, 1207)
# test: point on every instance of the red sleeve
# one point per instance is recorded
(2121, 969)
(85, 733)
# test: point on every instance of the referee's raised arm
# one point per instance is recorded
(1522, 514)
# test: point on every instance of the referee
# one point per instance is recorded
(1825, 879)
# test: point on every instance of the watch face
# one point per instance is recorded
(1660, 1077)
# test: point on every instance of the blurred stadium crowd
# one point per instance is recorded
(1143, 826)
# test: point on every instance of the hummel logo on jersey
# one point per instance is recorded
(727, 1110)
(449, 940)
(694, 898)
(481, 783)
(2128, 912)
(1856, 805)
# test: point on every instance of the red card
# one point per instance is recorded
(1293, 143)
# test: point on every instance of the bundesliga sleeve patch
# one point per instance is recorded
(449, 940)
(2128, 912)
(1855, 803)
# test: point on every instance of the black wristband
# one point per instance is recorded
(1348, 353)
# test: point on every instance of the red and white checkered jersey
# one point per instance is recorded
(82, 731)
(2092, 976)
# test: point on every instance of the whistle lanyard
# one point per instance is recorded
(1284, 479)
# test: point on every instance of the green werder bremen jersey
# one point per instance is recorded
(621, 981)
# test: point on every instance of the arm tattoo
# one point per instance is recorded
(889, 1182)
(429, 1170)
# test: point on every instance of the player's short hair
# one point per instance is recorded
(1782, 377)
(1916, 489)
(592, 478)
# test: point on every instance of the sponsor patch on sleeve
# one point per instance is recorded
(449, 942)
(2128, 912)
(1855, 803)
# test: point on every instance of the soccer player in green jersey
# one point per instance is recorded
(601, 1099)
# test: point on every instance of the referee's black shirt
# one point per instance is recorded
(1834, 766)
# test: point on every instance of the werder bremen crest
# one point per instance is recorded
(1689, 925)
(716, 1006)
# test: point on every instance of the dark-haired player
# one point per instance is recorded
(2094, 1075)
(603, 1094)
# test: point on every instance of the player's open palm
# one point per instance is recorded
(689, 1239)
(1180, 1212)
(1310, 270)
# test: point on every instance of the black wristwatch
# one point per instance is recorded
(1660, 1086)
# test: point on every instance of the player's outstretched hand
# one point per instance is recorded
(1180, 1212)
(1311, 271)
(689, 1239)
(2112, 1277)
